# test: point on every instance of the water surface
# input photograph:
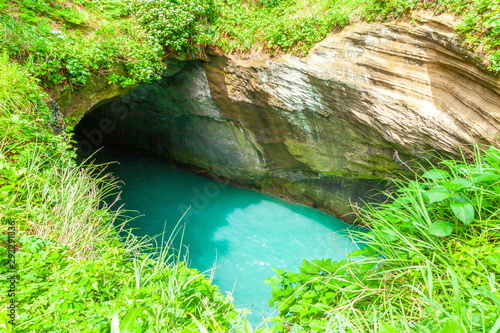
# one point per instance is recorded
(242, 233)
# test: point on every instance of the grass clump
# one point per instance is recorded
(60, 244)
(431, 261)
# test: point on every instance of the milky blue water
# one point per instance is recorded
(234, 235)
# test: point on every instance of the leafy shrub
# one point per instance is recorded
(304, 299)
(63, 56)
(179, 26)
(430, 261)
(58, 294)
(271, 3)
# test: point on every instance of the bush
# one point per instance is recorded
(177, 26)
(430, 261)
(62, 56)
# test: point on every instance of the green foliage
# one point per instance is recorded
(382, 10)
(18, 92)
(304, 299)
(299, 34)
(493, 21)
(481, 29)
(110, 9)
(128, 40)
(430, 262)
(59, 294)
(277, 26)
(178, 26)
(272, 3)
(61, 55)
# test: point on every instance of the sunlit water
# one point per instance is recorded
(242, 233)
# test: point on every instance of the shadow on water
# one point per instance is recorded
(241, 232)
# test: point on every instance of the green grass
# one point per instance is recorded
(67, 42)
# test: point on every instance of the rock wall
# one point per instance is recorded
(364, 104)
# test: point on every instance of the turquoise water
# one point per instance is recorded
(234, 235)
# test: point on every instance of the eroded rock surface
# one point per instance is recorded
(365, 103)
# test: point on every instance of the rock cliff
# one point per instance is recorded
(367, 102)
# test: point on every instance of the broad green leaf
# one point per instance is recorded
(389, 235)
(308, 267)
(365, 267)
(296, 308)
(412, 185)
(274, 280)
(385, 328)
(311, 294)
(464, 211)
(401, 201)
(436, 174)
(295, 277)
(450, 327)
(492, 155)
(6, 188)
(441, 228)
(127, 325)
(486, 177)
(359, 252)
(458, 184)
(437, 194)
